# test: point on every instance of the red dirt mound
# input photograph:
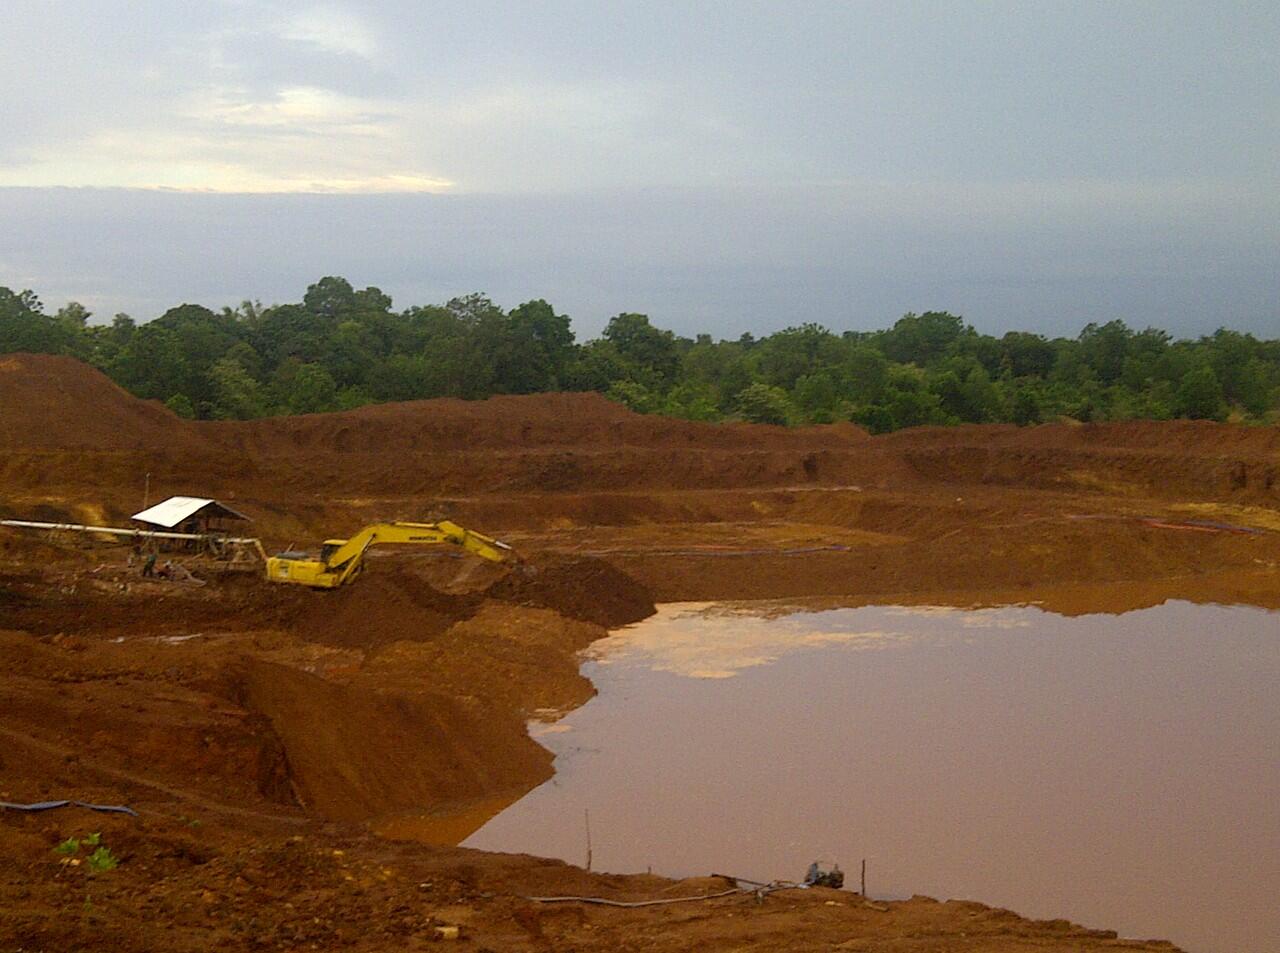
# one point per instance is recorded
(354, 753)
(70, 435)
(580, 587)
(392, 604)
(384, 605)
(514, 422)
(52, 402)
(505, 657)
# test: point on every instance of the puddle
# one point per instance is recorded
(1120, 771)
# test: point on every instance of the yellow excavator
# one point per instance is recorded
(341, 560)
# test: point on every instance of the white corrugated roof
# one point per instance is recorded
(178, 508)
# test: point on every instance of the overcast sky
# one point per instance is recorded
(721, 166)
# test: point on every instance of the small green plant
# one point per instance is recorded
(102, 860)
(99, 860)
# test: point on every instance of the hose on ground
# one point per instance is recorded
(761, 890)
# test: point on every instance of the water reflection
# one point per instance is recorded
(708, 641)
(1118, 770)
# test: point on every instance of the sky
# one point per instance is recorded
(721, 166)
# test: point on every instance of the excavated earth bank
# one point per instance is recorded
(264, 732)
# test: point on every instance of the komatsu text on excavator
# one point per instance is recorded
(341, 560)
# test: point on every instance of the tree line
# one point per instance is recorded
(340, 348)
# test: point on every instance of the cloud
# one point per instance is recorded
(193, 164)
(235, 99)
(226, 138)
(565, 98)
(333, 30)
(720, 169)
(308, 109)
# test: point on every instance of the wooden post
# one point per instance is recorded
(586, 812)
(864, 877)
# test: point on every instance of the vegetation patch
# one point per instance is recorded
(340, 348)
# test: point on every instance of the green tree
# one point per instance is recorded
(922, 338)
(201, 338)
(966, 392)
(25, 327)
(635, 396)
(1026, 407)
(596, 366)
(761, 404)
(1027, 355)
(400, 377)
(866, 372)
(352, 353)
(1200, 396)
(329, 297)
(690, 401)
(542, 347)
(1235, 359)
(287, 330)
(817, 398)
(236, 395)
(312, 391)
(181, 405)
(876, 418)
(1103, 348)
(349, 398)
(152, 364)
(105, 341)
(73, 315)
(783, 358)
(909, 400)
(651, 351)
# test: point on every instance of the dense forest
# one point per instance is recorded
(340, 348)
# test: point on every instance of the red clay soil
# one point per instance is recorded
(56, 403)
(262, 728)
(580, 587)
(386, 607)
(69, 435)
(355, 752)
(178, 888)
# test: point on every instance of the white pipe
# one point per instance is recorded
(120, 531)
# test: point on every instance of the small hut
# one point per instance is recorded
(190, 514)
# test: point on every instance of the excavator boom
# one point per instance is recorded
(341, 560)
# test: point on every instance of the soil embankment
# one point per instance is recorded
(259, 711)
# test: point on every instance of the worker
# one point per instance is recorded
(149, 567)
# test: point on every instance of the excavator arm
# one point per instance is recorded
(342, 559)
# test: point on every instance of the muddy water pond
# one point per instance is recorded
(1122, 771)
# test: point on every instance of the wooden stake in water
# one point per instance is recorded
(864, 876)
(586, 812)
